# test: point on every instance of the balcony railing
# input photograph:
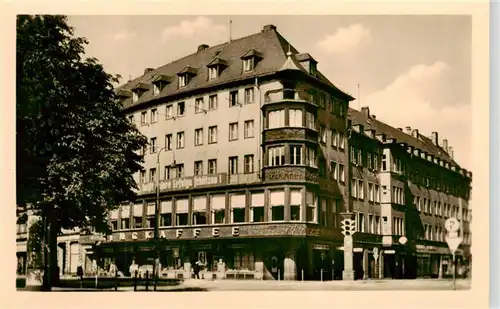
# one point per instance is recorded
(290, 94)
(201, 181)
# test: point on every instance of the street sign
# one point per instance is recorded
(375, 253)
(403, 240)
(451, 225)
(453, 243)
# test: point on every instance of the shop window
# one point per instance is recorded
(277, 203)
(257, 207)
(243, 260)
(295, 203)
(237, 207)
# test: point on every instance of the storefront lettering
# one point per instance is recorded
(190, 182)
(162, 234)
(178, 233)
(134, 235)
(149, 235)
(236, 231)
(196, 232)
(122, 236)
(215, 232)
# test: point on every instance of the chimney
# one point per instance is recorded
(450, 151)
(202, 47)
(435, 139)
(268, 28)
(366, 111)
(408, 130)
(414, 133)
(445, 145)
(147, 70)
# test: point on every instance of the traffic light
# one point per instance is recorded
(348, 227)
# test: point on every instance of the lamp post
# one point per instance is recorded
(157, 217)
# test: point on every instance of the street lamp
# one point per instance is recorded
(157, 215)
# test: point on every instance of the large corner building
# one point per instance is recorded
(260, 157)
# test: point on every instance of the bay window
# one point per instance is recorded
(311, 157)
(311, 201)
(295, 205)
(295, 154)
(277, 203)
(276, 156)
(295, 117)
(276, 119)
(310, 121)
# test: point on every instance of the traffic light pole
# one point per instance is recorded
(348, 229)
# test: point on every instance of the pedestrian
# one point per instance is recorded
(197, 270)
(79, 274)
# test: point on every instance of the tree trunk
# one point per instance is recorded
(51, 273)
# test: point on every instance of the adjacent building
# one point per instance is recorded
(258, 157)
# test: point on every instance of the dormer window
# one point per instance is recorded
(159, 82)
(124, 94)
(250, 60)
(185, 76)
(215, 67)
(308, 63)
(139, 90)
(312, 69)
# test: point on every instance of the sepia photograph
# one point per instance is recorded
(245, 152)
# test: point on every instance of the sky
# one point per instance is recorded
(411, 70)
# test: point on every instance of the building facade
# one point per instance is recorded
(258, 157)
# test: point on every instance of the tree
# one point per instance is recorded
(76, 152)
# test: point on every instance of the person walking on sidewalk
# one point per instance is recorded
(79, 273)
(196, 269)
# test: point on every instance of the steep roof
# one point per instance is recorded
(422, 142)
(268, 44)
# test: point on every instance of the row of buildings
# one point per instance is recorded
(260, 159)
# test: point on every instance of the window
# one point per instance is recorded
(150, 215)
(198, 137)
(277, 203)
(237, 202)
(114, 225)
(335, 141)
(334, 170)
(249, 129)
(295, 205)
(212, 134)
(212, 166)
(322, 134)
(212, 102)
(125, 224)
(322, 100)
(249, 95)
(377, 225)
(169, 111)
(341, 173)
(156, 89)
(375, 161)
(341, 141)
(167, 173)
(142, 176)
(353, 155)
(295, 117)
(144, 118)
(131, 118)
(323, 217)
(233, 98)
(311, 201)
(198, 168)
(152, 175)
(248, 64)
(322, 167)
(180, 170)
(371, 192)
(361, 222)
(369, 160)
(199, 105)
(384, 162)
(218, 206)
(249, 159)
(371, 226)
(276, 119)
(354, 188)
(135, 96)
(257, 207)
(199, 210)
(168, 142)
(361, 191)
(152, 143)
(138, 210)
(181, 109)
(181, 214)
(296, 154)
(311, 156)
(233, 165)
(182, 81)
(233, 131)
(154, 115)
(180, 140)
(310, 121)
(213, 72)
(276, 156)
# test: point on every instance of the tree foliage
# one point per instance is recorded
(76, 151)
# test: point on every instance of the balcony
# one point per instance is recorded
(201, 181)
(296, 95)
(288, 133)
(294, 173)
